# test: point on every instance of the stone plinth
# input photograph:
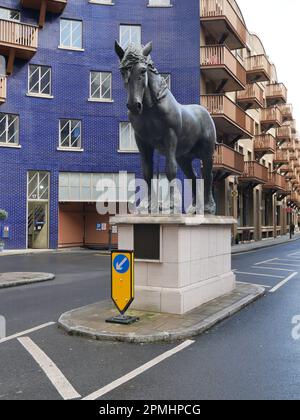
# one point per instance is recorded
(194, 266)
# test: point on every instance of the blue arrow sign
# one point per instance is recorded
(121, 264)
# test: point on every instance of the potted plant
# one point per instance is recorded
(3, 215)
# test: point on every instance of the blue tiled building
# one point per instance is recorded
(52, 131)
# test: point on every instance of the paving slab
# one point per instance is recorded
(23, 278)
(89, 321)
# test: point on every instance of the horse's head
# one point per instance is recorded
(134, 65)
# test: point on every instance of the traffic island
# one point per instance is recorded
(22, 278)
(90, 321)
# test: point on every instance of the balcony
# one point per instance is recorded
(287, 112)
(17, 40)
(264, 144)
(222, 22)
(283, 133)
(276, 94)
(295, 197)
(258, 69)
(251, 98)
(289, 145)
(280, 158)
(232, 122)
(270, 118)
(222, 68)
(254, 173)
(3, 91)
(44, 6)
(276, 182)
(227, 162)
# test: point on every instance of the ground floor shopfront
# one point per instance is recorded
(49, 209)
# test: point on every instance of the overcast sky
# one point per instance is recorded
(277, 22)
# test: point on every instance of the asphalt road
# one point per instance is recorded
(249, 356)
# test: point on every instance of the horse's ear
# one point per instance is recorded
(119, 50)
(147, 49)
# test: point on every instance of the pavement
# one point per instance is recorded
(13, 279)
(265, 243)
(254, 354)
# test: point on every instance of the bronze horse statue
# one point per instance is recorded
(181, 133)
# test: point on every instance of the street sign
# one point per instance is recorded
(122, 284)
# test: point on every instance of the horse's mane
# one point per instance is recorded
(134, 55)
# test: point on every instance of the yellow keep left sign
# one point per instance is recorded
(122, 279)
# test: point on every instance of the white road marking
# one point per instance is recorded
(282, 283)
(294, 253)
(267, 261)
(55, 376)
(273, 269)
(288, 265)
(255, 284)
(259, 274)
(20, 334)
(136, 372)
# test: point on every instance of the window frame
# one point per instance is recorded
(69, 148)
(135, 25)
(91, 98)
(65, 47)
(40, 95)
(159, 5)
(122, 150)
(7, 143)
(11, 10)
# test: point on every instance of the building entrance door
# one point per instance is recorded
(38, 225)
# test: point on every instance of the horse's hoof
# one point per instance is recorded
(192, 210)
(210, 209)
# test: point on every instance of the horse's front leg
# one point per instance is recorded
(146, 153)
(171, 163)
(209, 202)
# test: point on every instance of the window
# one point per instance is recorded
(127, 138)
(39, 80)
(9, 14)
(100, 86)
(9, 129)
(70, 134)
(130, 34)
(71, 34)
(159, 3)
(167, 78)
(38, 185)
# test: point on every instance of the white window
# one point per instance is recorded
(71, 34)
(160, 3)
(127, 138)
(38, 185)
(9, 129)
(130, 34)
(167, 78)
(9, 14)
(39, 80)
(70, 134)
(100, 86)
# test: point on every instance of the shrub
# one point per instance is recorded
(3, 215)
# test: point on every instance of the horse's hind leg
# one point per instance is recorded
(209, 202)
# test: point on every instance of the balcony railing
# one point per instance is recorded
(228, 161)
(220, 66)
(275, 182)
(251, 97)
(254, 172)
(271, 117)
(286, 111)
(276, 93)
(281, 157)
(53, 6)
(289, 145)
(231, 121)
(284, 133)
(258, 68)
(264, 144)
(221, 20)
(17, 40)
(3, 91)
